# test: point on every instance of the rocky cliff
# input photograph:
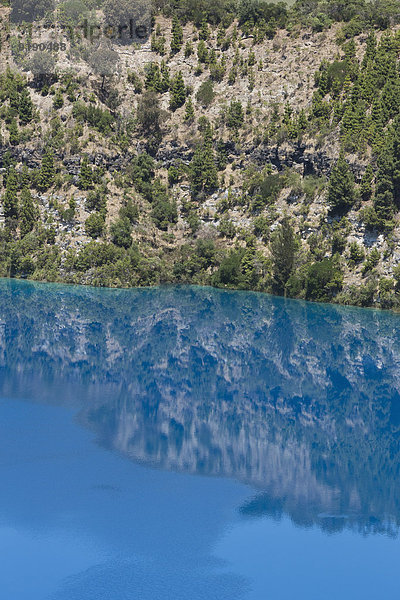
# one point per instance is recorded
(202, 135)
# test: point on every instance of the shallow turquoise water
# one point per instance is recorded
(190, 443)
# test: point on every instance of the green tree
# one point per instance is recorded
(204, 33)
(178, 92)
(324, 279)
(165, 82)
(121, 231)
(29, 212)
(153, 77)
(71, 12)
(366, 183)
(58, 101)
(149, 119)
(283, 250)
(13, 131)
(202, 52)
(203, 170)
(205, 94)
(371, 261)
(164, 212)
(85, 180)
(47, 171)
(396, 163)
(10, 201)
(341, 190)
(94, 225)
(235, 115)
(130, 211)
(356, 252)
(384, 198)
(188, 49)
(229, 272)
(25, 107)
(173, 175)
(177, 36)
(189, 111)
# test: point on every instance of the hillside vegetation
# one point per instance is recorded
(245, 145)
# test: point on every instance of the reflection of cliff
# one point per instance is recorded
(298, 400)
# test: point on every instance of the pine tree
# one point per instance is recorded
(188, 49)
(47, 171)
(165, 80)
(8, 164)
(202, 52)
(58, 101)
(85, 180)
(283, 250)
(396, 163)
(366, 183)
(248, 264)
(29, 212)
(235, 115)
(25, 107)
(13, 131)
(203, 170)
(177, 36)
(302, 122)
(287, 114)
(370, 51)
(384, 201)
(153, 77)
(12, 93)
(25, 177)
(189, 111)
(178, 92)
(212, 57)
(341, 191)
(10, 201)
(204, 33)
(347, 85)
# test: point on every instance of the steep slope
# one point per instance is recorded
(182, 157)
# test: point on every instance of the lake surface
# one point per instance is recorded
(196, 444)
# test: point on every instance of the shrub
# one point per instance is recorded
(97, 255)
(324, 279)
(229, 272)
(356, 252)
(205, 94)
(129, 211)
(164, 213)
(121, 231)
(371, 261)
(235, 115)
(94, 225)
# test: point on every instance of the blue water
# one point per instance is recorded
(196, 444)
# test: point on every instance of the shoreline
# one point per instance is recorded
(164, 286)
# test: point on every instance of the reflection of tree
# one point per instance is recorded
(298, 400)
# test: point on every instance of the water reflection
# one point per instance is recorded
(299, 401)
